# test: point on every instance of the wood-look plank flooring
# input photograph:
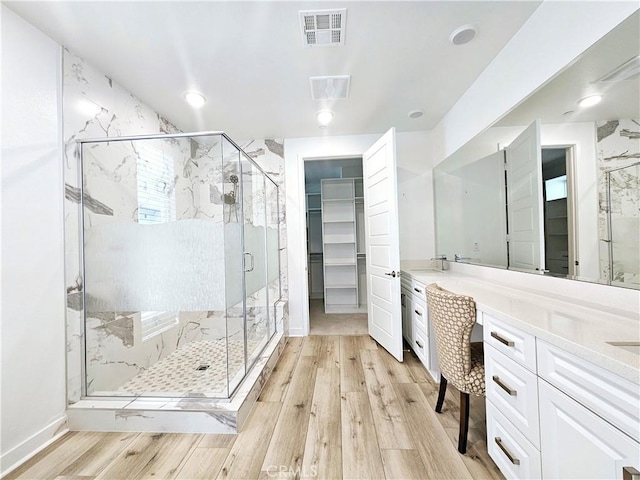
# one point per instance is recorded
(334, 407)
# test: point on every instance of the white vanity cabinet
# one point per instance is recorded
(553, 415)
(577, 443)
(513, 427)
(415, 323)
(589, 418)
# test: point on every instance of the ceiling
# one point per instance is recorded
(248, 59)
(556, 101)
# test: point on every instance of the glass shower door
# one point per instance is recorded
(232, 213)
(624, 226)
(255, 260)
(273, 251)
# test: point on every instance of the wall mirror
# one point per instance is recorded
(553, 187)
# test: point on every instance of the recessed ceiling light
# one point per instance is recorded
(415, 113)
(463, 34)
(195, 99)
(589, 101)
(324, 117)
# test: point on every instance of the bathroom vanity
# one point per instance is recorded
(562, 377)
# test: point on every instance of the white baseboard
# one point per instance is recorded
(22, 452)
(296, 332)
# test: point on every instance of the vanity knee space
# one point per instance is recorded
(552, 414)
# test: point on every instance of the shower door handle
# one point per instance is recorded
(245, 262)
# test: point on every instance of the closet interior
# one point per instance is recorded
(335, 234)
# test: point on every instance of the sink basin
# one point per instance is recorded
(633, 347)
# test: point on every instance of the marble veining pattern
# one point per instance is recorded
(117, 113)
(619, 146)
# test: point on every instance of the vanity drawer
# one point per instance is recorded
(419, 314)
(612, 397)
(418, 290)
(420, 346)
(513, 342)
(514, 391)
(513, 453)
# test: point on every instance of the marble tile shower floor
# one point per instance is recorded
(195, 369)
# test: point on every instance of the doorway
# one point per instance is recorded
(336, 262)
(559, 220)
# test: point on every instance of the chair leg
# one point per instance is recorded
(464, 422)
(441, 392)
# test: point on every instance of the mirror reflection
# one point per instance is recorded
(553, 187)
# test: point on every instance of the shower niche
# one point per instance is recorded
(181, 265)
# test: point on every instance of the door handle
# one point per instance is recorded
(392, 274)
(245, 263)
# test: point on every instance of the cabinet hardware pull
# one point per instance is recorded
(507, 389)
(630, 473)
(508, 343)
(417, 290)
(418, 313)
(509, 455)
(419, 344)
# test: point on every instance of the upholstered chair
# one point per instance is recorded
(461, 362)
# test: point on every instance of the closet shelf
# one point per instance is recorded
(339, 263)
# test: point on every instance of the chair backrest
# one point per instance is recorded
(453, 317)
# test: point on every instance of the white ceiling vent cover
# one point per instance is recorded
(323, 28)
(627, 71)
(328, 88)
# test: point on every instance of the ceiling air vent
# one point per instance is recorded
(328, 88)
(627, 71)
(323, 28)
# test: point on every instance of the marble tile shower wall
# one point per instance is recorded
(618, 146)
(95, 106)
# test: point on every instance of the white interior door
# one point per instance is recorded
(524, 200)
(383, 244)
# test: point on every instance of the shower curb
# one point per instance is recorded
(178, 415)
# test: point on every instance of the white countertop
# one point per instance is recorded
(580, 329)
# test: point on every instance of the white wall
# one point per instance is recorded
(415, 196)
(556, 33)
(33, 300)
(414, 190)
(554, 36)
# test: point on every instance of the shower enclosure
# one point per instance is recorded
(181, 264)
(623, 192)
